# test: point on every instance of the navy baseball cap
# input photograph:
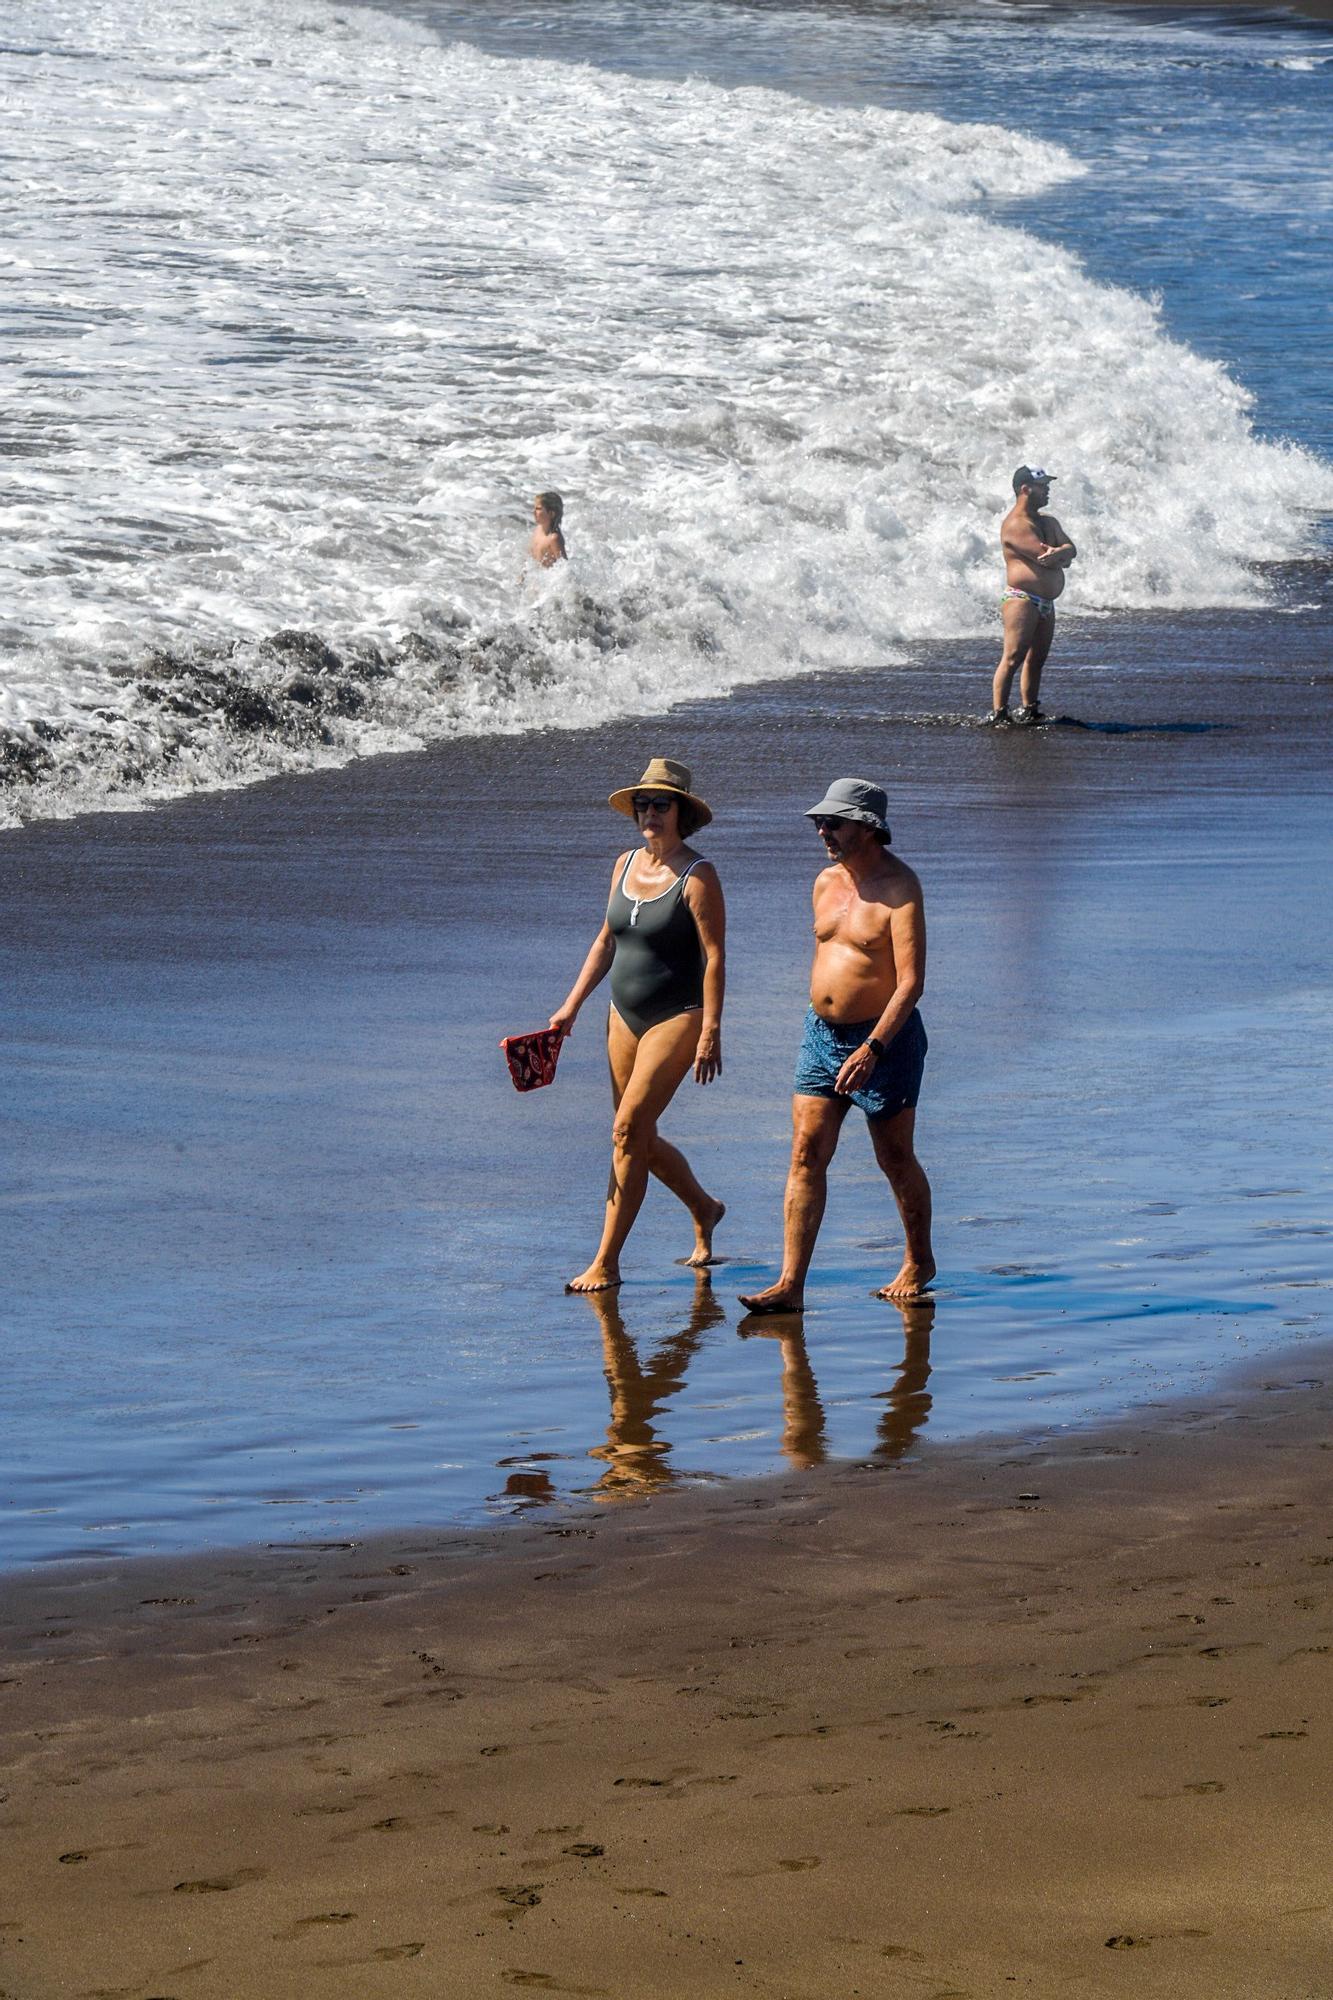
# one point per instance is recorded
(1031, 475)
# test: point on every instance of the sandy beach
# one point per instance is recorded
(911, 1718)
(1049, 1721)
(376, 1618)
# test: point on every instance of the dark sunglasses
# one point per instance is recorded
(643, 804)
(823, 820)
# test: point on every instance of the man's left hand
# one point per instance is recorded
(856, 1071)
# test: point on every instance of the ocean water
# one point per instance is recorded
(303, 301)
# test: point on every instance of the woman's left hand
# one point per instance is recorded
(708, 1056)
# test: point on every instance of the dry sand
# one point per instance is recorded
(1014, 1720)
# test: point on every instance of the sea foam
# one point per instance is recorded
(310, 304)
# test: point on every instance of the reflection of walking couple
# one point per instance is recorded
(637, 1459)
(662, 941)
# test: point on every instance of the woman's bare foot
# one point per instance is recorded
(702, 1252)
(777, 1298)
(910, 1282)
(597, 1278)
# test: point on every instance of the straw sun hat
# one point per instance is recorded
(664, 774)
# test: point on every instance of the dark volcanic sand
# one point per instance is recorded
(285, 1251)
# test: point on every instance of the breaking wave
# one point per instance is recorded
(311, 304)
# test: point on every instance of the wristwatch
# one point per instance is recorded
(873, 1042)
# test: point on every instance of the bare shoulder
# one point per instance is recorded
(701, 871)
(900, 883)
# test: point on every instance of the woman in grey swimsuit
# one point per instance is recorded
(662, 942)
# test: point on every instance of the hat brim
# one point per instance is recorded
(834, 809)
(623, 800)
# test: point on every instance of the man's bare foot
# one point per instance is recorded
(702, 1252)
(777, 1298)
(910, 1282)
(597, 1278)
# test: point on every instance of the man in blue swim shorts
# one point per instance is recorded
(864, 1043)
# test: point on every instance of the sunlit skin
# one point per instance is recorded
(1037, 552)
(547, 546)
(869, 964)
(647, 1069)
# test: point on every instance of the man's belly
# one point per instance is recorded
(1046, 583)
(846, 986)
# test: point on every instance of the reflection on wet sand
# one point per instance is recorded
(636, 1458)
(906, 1403)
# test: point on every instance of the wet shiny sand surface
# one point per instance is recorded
(285, 1250)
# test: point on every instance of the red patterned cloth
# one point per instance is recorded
(532, 1058)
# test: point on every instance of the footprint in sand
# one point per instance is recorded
(922, 1812)
(218, 1885)
(323, 1917)
(523, 1895)
(1123, 1941)
(546, 1982)
(387, 1951)
(586, 1850)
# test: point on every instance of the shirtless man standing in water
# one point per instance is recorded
(1037, 552)
(864, 1043)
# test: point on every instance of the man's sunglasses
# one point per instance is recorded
(823, 822)
(643, 804)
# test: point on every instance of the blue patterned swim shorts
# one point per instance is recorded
(895, 1081)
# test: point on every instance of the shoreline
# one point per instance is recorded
(992, 1721)
(1311, 10)
(315, 967)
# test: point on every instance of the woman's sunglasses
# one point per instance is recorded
(643, 804)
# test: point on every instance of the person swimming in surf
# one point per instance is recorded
(662, 941)
(1037, 552)
(547, 546)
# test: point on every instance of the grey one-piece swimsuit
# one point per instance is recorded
(658, 969)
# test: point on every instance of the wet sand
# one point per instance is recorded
(923, 1719)
(1053, 1721)
(285, 1251)
(1314, 10)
